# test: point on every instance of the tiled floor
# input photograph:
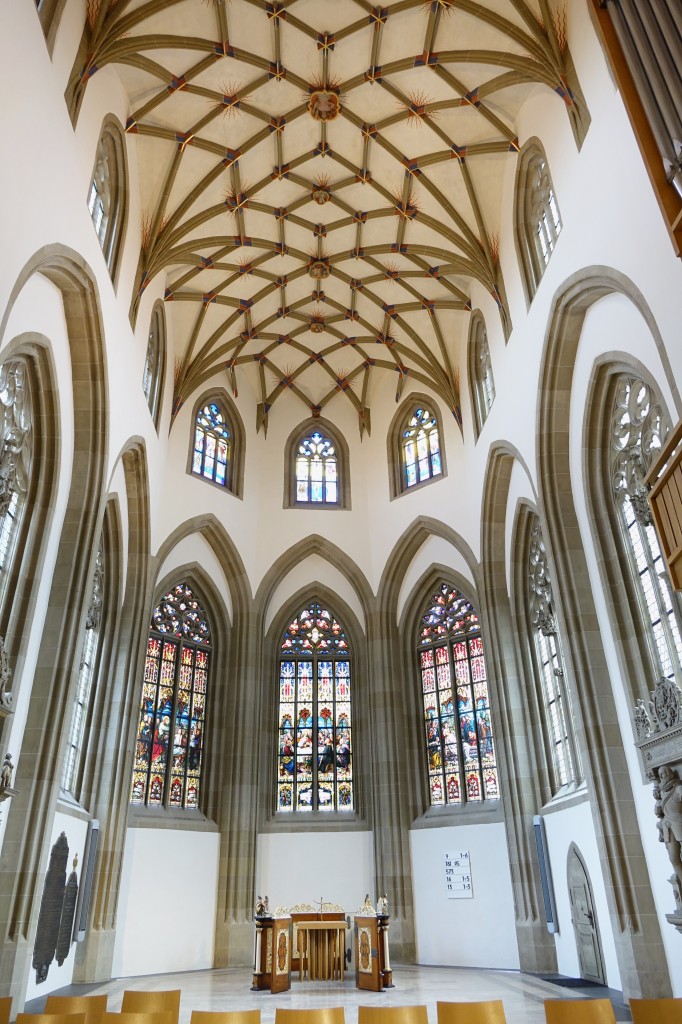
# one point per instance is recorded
(522, 994)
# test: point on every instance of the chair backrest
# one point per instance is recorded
(392, 1015)
(656, 1011)
(152, 1002)
(319, 1015)
(579, 1011)
(225, 1017)
(5, 1009)
(92, 1006)
(162, 1017)
(491, 1011)
(50, 1018)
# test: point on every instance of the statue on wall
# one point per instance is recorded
(382, 906)
(668, 808)
(6, 772)
(262, 906)
(5, 675)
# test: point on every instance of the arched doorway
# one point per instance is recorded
(584, 918)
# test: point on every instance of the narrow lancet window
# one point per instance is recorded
(420, 448)
(317, 470)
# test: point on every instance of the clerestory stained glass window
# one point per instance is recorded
(314, 769)
(317, 470)
(420, 448)
(212, 445)
(638, 430)
(460, 748)
(170, 735)
(544, 210)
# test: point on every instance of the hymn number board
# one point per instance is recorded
(458, 876)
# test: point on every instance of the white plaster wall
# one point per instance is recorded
(195, 549)
(299, 867)
(309, 570)
(434, 551)
(168, 891)
(476, 932)
(76, 830)
(574, 825)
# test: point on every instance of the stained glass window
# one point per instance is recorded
(481, 371)
(314, 765)
(170, 735)
(212, 444)
(538, 220)
(317, 470)
(107, 194)
(152, 375)
(420, 448)
(637, 434)
(460, 748)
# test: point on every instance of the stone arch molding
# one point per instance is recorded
(637, 933)
(223, 547)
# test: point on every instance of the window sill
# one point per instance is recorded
(570, 795)
(66, 804)
(314, 822)
(469, 814)
(163, 817)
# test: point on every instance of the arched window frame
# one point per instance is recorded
(49, 13)
(107, 198)
(451, 661)
(154, 372)
(481, 380)
(297, 436)
(319, 815)
(544, 658)
(234, 477)
(638, 426)
(537, 220)
(182, 626)
(396, 463)
(17, 457)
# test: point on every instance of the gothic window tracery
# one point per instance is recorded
(213, 444)
(480, 372)
(538, 220)
(169, 747)
(460, 747)
(154, 363)
(638, 430)
(16, 454)
(314, 765)
(317, 479)
(550, 663)
(107, 194)
(420, 454)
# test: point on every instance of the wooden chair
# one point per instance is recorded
(162, 1017)
(319, 1015)
(152, 1002)
(92, 1006)
(225, 1017)
(489, 1012)
(579, 1011)
(656, 1011)
(50, 1018)
(392, 1015)
(5, 1009)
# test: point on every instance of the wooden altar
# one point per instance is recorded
(272, 957)
(372, 964)
(306, 912)
(322, 950)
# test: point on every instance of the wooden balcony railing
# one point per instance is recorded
(665, 498)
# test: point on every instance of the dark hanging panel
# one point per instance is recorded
(64, 938)
(51, 906)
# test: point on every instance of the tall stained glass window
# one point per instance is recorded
(637, 434)
(314, 769)
(170, 735)
(460, 748)
(317, 470)
(420, 448)
(212, 444)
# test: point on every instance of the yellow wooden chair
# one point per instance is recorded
(225, 1017)
(656, 1011)
(5, 1009)
(392, 1015)
(50, 1018)
(92, 1006)
(152, 1002)
(162, 1017)
(579, 1011)
(489, 1012)
(318, 1015)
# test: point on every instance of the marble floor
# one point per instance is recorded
(522, 994)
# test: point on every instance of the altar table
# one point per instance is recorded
(322, 950)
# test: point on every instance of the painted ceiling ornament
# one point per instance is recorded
(540, 584)
(319, 269)
(321, 195)
(324, 105)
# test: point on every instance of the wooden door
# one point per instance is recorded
(584, 919)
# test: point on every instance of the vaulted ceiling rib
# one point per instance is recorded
(321, 179)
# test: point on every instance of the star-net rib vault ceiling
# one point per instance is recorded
(321, 179)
